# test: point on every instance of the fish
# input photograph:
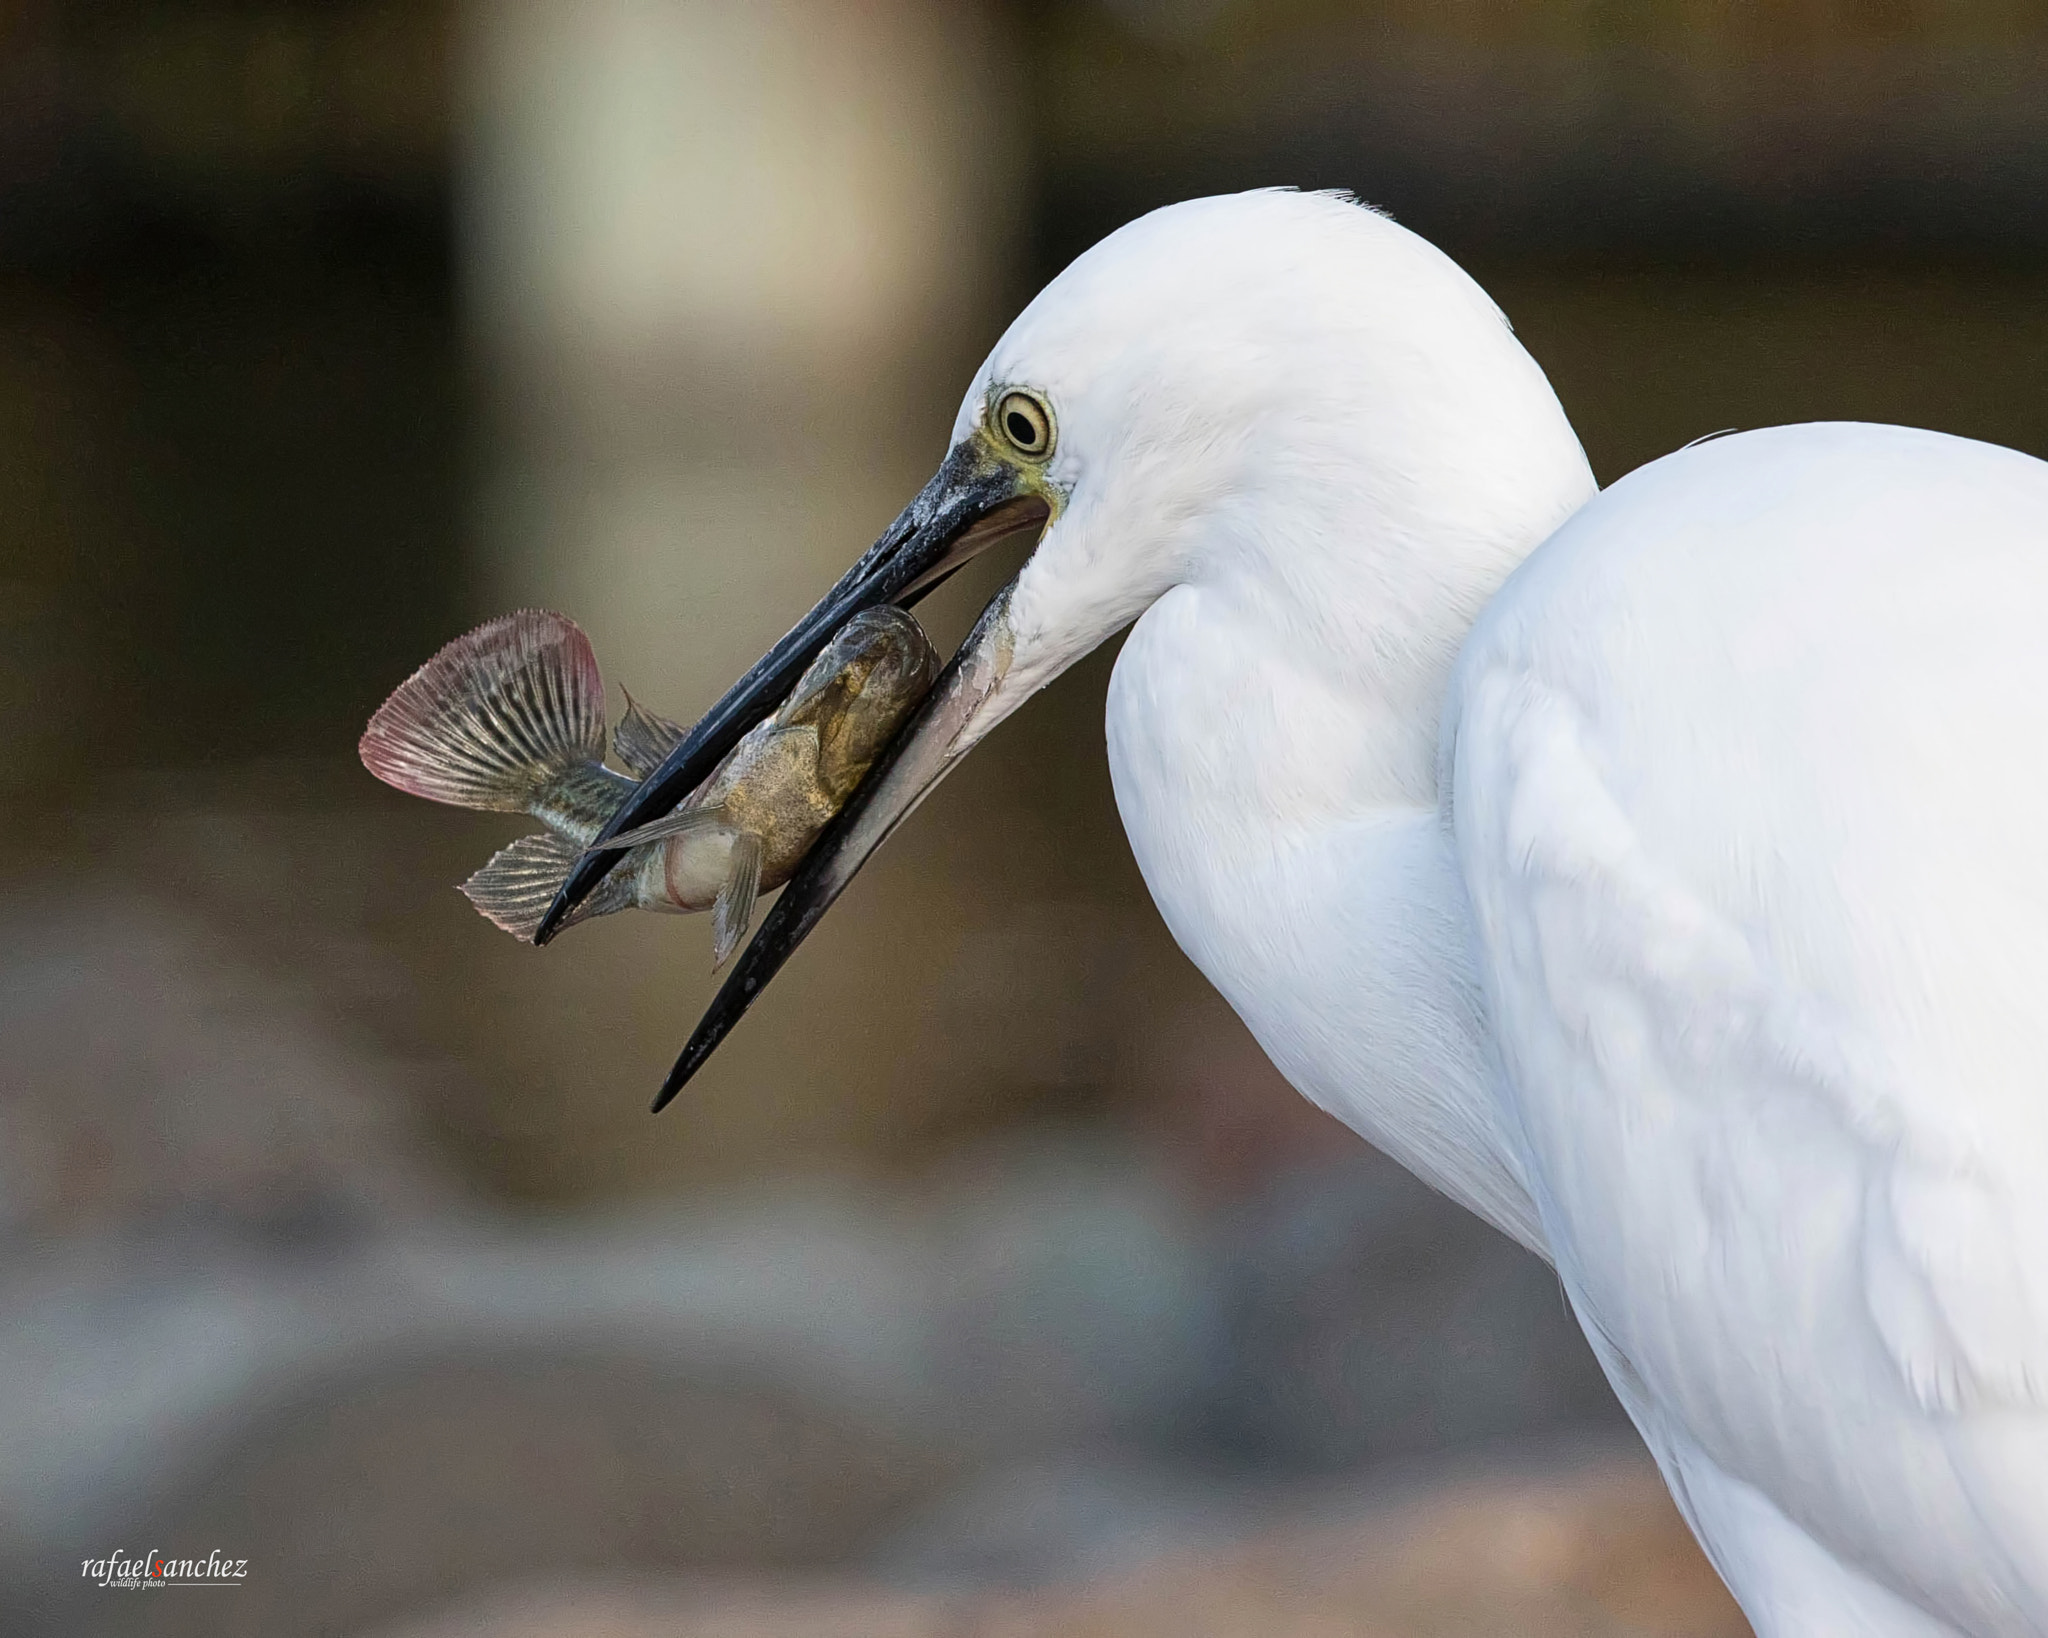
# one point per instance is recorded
(511, 718)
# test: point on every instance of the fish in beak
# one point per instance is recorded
(511, 718)
(975, 500)
(967, 701)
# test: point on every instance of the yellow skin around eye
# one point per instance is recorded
(1023, 423)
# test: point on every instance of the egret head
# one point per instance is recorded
(1208, 393)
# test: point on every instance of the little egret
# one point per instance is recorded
(1660, 872)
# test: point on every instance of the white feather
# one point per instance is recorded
(1678, 901)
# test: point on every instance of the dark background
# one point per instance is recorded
(333, 1223)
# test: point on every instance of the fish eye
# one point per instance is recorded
(1025, 423)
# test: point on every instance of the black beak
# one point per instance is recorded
(972, 502)
(966, 701)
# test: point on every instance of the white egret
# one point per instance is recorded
(1662, 872)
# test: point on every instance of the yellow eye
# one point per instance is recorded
(1025, 422)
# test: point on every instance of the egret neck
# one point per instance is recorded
(1273, 727)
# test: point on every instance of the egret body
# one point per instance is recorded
(1662, 873)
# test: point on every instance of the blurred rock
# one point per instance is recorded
(1064, 1518)
(1582, 1550)
(1366, 1317)
(154, 1081)
(1567, 1553)
(641, 1609)
(244, 1308)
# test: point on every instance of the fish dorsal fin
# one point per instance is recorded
(515, 889)
(489, 720)
(643, 738)
(733, 910)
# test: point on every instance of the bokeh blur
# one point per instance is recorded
(988, 1281)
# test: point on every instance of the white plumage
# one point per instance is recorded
(1663, 873)
(1751, 770)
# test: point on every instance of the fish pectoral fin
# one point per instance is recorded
(732, 913)
(643, 738)
(683, 822)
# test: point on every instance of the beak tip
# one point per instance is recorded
(679, 1077)
(669, 1089)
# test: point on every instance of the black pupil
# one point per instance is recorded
(1021, 428)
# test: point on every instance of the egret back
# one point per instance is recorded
(1750, 777)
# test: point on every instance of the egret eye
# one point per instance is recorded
(1023, 419)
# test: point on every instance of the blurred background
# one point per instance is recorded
(988, 1280)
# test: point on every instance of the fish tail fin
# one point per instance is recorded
(494, 717)
(515, 889)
